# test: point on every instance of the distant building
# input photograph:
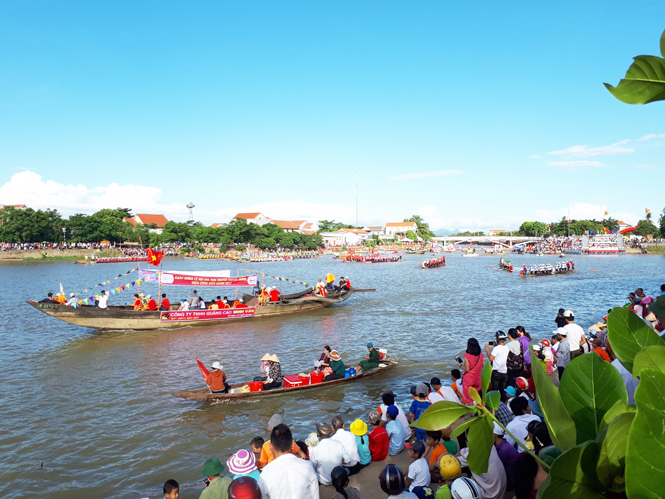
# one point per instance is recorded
(623, 225)
(333, 238)
(496, 232)
(287, 225)
(148, 219)
(394, 229)
(305, 226)
(375, 230)
(255, 218)
(17, 206)
(218, 225)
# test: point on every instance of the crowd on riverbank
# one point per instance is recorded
(285, 467)
(51, 246)
(556, 244)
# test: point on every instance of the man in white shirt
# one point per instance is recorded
(72, 300)
(348, 440)
(445, 392)
(103, 300)
(388, 398)
(287, 477)
(494, 482)
(518, 426)
(499, 359)
(327, 454)
(576, 336)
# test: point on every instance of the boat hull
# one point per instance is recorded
(126, 318)
(205, 395)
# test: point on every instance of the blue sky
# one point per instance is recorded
(448, 110)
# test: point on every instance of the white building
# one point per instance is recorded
(399, 229)
(254, 218)
(375, 230)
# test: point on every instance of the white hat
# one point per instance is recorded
(537, 348)
(217, 365)
(147, 296)
(498, 430)
(240, 300)
(568, 313)
(561, 331)
(71, 295)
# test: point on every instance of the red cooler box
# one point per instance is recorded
(304, 379)
(291, 381)
(255, 386)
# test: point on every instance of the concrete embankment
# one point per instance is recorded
(41, 254)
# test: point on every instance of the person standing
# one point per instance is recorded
(560, 319)
(473, 368)
(575, 335)
(515, 356)
(499, 359)
(194, 301)
(524, 339)
(562, 356)
(287, 477)
(103, 302)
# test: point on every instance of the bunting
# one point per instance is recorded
(108, 281)
(288, 279)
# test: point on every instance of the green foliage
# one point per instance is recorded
(411, 235)
(332, 226)
(492, 399)
(486, 377)
(462, 427)
(441, 415)
(646, 227)
(561, 427)
(612, 460)
(30, 226)
(652, 357)
(573, 474)
(480, 444)
(645, 474)
(534, 229)
(589, 389)
(644, 81)
(423, 228)
(628, 334)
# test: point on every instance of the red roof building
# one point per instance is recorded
(286, 225)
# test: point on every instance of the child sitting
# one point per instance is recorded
(395, 431)
(171, 489)
(257, 445)
(419, 469)
(378, 437)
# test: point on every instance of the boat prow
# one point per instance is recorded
(205, 395)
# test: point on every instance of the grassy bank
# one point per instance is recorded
(656, 249)
(53, 255)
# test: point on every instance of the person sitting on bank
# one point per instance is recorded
(275, 378)
(372, 360)
(217, 379)
(165, 304)
(337, 366)
(49, 299)
(216, 486)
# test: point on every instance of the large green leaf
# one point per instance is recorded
(486, 376)
(464, 426)
(652, 357)
(619, 407)
(612, 460)
(492, 399)
(628, 334)
(644, 81)
(560, 425)
(573, 475)
(589, 388)
(441, 415)
(481, 442)
(645, 459)
(549, 454)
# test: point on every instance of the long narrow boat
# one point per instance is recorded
(205, 395)
(522, 276)
(126, 318)
(432, 264)
(505, 265)
(415, 252)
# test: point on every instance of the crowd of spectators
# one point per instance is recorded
(554, 244)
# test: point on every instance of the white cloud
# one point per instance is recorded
(29, 188)
(589, 152)
(435, 173)
(576, 164)
(651, 136)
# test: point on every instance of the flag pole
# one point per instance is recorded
(159, 302)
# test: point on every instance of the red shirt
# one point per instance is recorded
(220, 304)
(274, 295)
(152, 304)
(166, 304)
(378, 443)
(603, 354)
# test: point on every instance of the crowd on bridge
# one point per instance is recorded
(552, 245)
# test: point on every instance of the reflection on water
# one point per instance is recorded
(96, 407)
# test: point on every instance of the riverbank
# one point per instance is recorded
(55, 254)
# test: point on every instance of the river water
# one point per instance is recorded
(90, 414)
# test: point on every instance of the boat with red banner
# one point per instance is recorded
(292, 383)
(124, 317)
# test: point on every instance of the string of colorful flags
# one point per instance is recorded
(115, 290)
(288, 279)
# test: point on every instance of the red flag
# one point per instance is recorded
(154, 257)
(204, 372)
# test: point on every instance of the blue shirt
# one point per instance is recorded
(254, 474)
(363, 449)
(417, 408)
(396, 434)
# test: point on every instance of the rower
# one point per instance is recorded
(372, 360)
(216, 380)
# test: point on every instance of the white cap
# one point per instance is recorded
(498, 430)
(217, 365)
(71, 295)
(568, 313)
(561, 331)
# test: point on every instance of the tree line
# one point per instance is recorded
(36, 226)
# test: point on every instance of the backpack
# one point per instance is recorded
(516, 362)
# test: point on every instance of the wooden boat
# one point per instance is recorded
(470, 255)
(522, 276)
(126, 318)
(415, 252)
(505, 265)
(82, 261)
(428, 265)
(204, 395)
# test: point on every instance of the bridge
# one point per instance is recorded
(488, 240)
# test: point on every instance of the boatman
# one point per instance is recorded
(166, 304)
(217, 379)
(372, 360)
